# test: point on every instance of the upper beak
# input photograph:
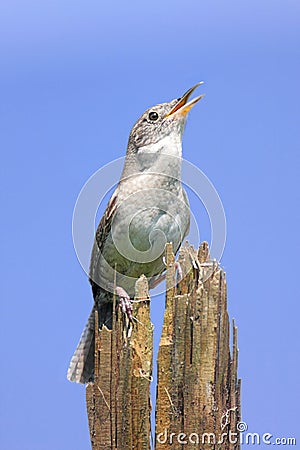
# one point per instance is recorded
(182, 107)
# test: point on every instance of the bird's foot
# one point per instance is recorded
(179, 273)
(153, 282)
(124, 302)
(178, 270)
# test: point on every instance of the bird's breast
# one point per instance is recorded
(149, 214)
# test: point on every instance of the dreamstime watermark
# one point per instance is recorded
(239, 437)
(135, 205)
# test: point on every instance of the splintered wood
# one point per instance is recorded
(118, 402)
(198, 393)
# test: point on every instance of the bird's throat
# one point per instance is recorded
(163, 157)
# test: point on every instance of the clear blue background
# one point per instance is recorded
(74, 78)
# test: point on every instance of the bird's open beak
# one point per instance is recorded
(182, 107)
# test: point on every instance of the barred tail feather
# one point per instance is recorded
(81, 368)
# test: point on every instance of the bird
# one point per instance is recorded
(148, 208)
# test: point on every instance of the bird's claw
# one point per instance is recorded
(179, 271)
(177, 268)
(178, 275)
(124, 302)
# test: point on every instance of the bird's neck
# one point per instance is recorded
(164, 158)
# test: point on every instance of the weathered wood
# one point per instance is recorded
(198, 395)
(118, 401)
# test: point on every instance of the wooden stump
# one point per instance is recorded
(198, 393)
(118, 402)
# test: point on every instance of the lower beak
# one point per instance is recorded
(182, 107)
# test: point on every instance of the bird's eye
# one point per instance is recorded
(153, 116)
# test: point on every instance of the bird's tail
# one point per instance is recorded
(81, 368)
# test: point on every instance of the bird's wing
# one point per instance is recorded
(102, 233)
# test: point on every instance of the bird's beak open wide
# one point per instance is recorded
(182, 107)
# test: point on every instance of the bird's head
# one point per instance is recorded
(166, 120)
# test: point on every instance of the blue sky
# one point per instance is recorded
(74, 78)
